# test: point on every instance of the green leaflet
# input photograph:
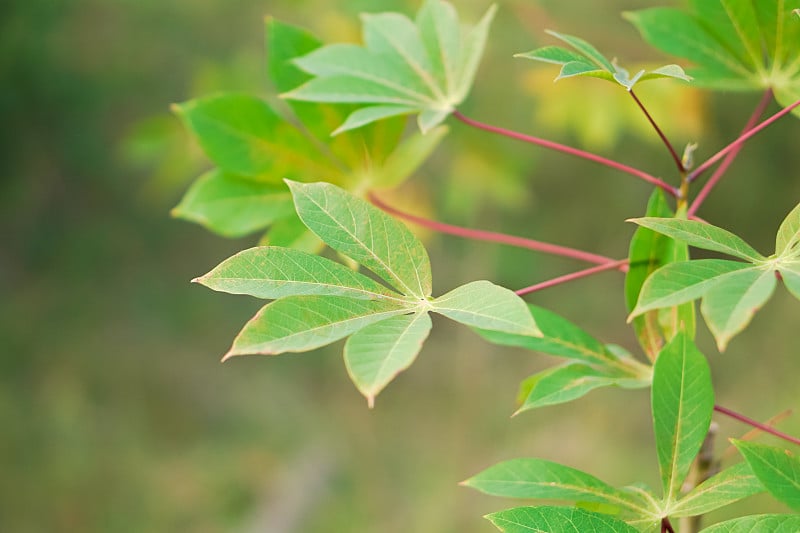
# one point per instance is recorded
(729, 486)
(569, 382)
(482, 304)
(789, 233)
(302, 323)
(588, 61)
(682, 403)
(233, 206)
(541, 479)
(791, 278)
(271, 272)
(365, 234)
(730, 304)
(777, 470)
(773, 523)
(735, 44)
(548, 519)
(425, 66)
(702, 235)
(376, 354)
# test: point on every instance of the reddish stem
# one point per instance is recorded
(756, 424)
(666, 526)
(723, 167)
(660, 133)
(669, 189)
(735, 145)
(491, 236)
(622, 264)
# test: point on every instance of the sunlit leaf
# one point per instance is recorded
(789, 233)
(482, 304)
(233, 206)
(424, 66)
(773, 523)
(365, 234)
(273, 272)
(790, 273)
(547, 519)
(702, 235)
(301, 323)
(377, 353)
(682, 404)
(729, 305)
(778, 470)
(729, 486)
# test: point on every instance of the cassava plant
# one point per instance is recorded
(306, 171)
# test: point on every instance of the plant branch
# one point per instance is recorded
(622, 264)
(660, 133)
(491, 236)
(749, 421)
(669, 189)
(730, 157)
(741, 139)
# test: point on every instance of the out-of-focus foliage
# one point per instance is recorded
(116, 413)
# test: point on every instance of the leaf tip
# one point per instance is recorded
(371, 401)
(230, 353)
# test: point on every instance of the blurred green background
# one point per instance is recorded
(116, 415)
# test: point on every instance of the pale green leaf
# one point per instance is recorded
(562, 384)
(548, 519)
(667, 71)
(367, 115)
(233, 206)
(552, 54)
(765, 523)
(730, 304)
(682, 404)
(702, 235)
(365, 234)
(351, 89)
(585, 49)
(790, 274)
(546, 480)
(302, 323)
(778, 470)
(272, 272)
(789, 232)
(729, 486)
(560, 337)
(484, 305)
(376, 354)
(441, 35)
(685, 281)
(472, 46)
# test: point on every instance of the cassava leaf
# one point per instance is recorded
(773, 523)
(702, 235)
(546, 480)
(789, 233)
(548, 519)
(790, 273)
(273, 272)
(685, 281)
(424, 66)
(365, 234)
(376, 354)
(233, 206)
(729, 305)
(777, 470)
(482, 304)
(586, 60)
(729, 486)
(569, 382)
(734, 44)
(682, 404)
(302, 323)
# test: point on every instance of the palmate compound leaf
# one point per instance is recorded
(734, 44)
(319, 301)
(682, 404)
(550, 519)
(425, 66)
(256, 145)
(777, 470)
(586, 60)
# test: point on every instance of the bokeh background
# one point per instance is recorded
(115, 413)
